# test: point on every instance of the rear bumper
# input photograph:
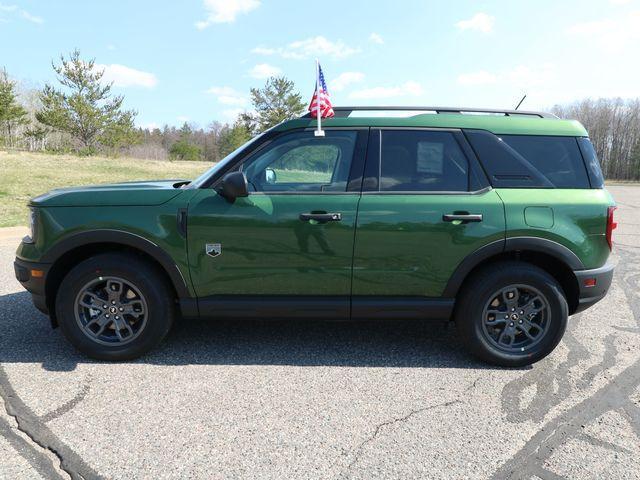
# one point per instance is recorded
(28, 276)
(590, 295)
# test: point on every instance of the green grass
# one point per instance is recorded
(285, 176)
(25, 175)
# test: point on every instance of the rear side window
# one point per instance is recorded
(591, 160)
(530, 161)
(422, 161)
(557, 158)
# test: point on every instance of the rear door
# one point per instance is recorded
(426, 205)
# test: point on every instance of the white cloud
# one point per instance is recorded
(264, 70)
(225, 11)
(123, 76)
(376, 38)
(480, 22)
(148, 126)
(481, 77)
(311, 47)
(520, 76)
(232, 113)
(264, 51)
(594, 27)
(610, 34)
(408, 89)
(228, 96)
(341, 81)
(32, 18)
(23, 13)
(111, 47)
(528, 77)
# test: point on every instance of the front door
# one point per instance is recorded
(293, 235)
(424, 208)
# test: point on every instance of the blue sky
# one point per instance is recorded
(196, 60)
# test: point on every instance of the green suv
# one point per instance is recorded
(498, 220)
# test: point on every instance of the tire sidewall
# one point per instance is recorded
(144, 277)
(470, 316)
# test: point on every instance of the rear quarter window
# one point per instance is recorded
(530, 161)
(591, 160)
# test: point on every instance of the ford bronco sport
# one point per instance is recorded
(498, 220)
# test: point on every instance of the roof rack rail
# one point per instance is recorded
(341, 112)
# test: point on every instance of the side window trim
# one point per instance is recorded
(355, 173)
(373, 164)
(525, 171)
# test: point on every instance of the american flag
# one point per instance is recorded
(321, 97)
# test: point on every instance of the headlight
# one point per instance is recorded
(33, 216)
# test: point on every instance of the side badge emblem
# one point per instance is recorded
(213, 249)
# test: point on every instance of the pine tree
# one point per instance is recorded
(232, 137)
(85, 108)
(274, 103)
(12, 114)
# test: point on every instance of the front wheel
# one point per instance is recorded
(511, 314)
(114, 307)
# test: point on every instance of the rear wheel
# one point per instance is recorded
(114, 307)
(511, 314)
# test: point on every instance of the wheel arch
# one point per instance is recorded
(554, 258)
(64, 255)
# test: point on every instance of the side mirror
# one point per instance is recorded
(270, 176)
(234, 185)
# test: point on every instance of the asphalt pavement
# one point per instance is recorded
(326, 400)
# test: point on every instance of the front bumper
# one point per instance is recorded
(590, 295)
(28, 274)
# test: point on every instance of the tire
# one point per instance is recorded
(488, 296)
(93, 312)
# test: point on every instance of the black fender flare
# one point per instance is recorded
(123, 238)
(512, 244)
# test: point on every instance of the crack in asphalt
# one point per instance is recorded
(543, 377)
(380, 426)
(597, 442)
(35, 457)
(35, 429)
(71, 404)
(614, 396)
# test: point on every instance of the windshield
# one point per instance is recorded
(198, 182)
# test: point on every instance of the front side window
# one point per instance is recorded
(302, 162)
(422, 161)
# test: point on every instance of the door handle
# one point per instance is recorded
(463, 217)
(321, 217)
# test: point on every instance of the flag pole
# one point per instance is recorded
(319, 132)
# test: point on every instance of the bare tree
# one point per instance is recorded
(614, 128)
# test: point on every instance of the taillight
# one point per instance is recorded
(611, 225)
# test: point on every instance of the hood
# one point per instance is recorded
(153, 192)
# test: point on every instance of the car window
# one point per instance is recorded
(530, 161)
(591, 159)
(302, 162)
(420, 160)
(557, 158)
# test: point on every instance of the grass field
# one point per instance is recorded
(24, 175)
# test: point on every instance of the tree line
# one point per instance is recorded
(614, 128)
(80, 114)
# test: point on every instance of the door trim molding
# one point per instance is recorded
(365, 307)
(274, 307)
(325, 307)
